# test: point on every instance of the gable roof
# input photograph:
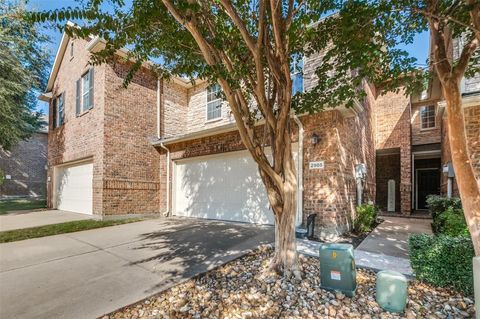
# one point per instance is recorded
(95, 44)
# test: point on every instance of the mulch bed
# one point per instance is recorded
(245, 288)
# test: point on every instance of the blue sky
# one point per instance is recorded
(417, 49)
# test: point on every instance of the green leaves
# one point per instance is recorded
(23, 73)
(443, 261)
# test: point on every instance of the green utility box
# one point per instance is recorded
(337, 268)
(391, 290)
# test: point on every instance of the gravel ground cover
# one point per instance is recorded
(245, 288)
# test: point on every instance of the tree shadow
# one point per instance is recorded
(227, 187)
(184, 247)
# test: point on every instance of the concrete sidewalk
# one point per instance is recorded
(38, 218)
(91, 273)
(386, 247)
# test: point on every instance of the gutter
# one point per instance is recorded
(346, 112)
(301, 132)
(165, 213)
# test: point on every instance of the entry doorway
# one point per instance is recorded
(427, 183)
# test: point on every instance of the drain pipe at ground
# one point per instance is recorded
(299, 170)
(165, 213)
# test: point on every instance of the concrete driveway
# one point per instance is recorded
(90, 273)
(38, 218)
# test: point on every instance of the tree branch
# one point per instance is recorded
(465, 56)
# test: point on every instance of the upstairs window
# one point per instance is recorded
(427, 116)
(71, 50)
(297, 75)
(85, 92)
(59, 110)
(214, 102)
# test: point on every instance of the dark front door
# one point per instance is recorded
(428, 183)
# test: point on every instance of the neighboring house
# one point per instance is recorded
(412, 145)
(158, 147)
(25, 167)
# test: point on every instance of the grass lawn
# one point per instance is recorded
(55, 229)
(21, 204)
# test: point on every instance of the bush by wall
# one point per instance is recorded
(443, 261)
(438, 204)
(451, 222)
(447, 214)
(366, 218)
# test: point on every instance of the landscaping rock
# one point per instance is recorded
(245, 288)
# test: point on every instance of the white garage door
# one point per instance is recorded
(225, 187)
(74, 191)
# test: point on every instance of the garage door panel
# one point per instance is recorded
(226, 187)
(74, 188)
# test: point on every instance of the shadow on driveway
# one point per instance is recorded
(90, 273)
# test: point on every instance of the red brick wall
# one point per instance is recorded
(393, 130)
(472, 130)
(330, 193)
(115, 134)
(425, 136)
(25, 163)
(388, 167)
(174, 109)
(79, 137)
(131, 172)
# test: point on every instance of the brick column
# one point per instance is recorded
(405, 179)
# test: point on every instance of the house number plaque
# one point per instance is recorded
(316, 165)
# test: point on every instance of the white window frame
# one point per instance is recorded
(207, 103)
(61, 110)
(424, 128)
(58, 98)
(85, 92)
(298, 72)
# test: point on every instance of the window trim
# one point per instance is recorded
(302, 73)
(215, 119)
(71, 48)
(434, 118)
(56, 110)
(84, 110)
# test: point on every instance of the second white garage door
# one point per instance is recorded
(225, 187)
(74, 188)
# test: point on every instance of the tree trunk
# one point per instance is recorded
(467, 184)
(285, 258)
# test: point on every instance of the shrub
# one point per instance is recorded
(438, 204)
(366, 218)
(443, 261)
(451, 222)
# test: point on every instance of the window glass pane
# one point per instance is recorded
(85, 92)
(297, 85)
(61, 113)
(297, 74)
(214, 109)
(427, 116)
(213, 92)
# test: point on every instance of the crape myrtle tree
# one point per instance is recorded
(245, 46)
(365, 36)
(23, 70)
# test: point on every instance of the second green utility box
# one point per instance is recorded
(337, 268)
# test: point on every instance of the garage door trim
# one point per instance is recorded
(175, 162)
(78, 162)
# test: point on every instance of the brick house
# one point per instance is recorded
(171, 148)
(25, 167)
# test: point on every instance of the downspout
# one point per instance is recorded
(449, 187)
(301, 132)
(167, 208)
